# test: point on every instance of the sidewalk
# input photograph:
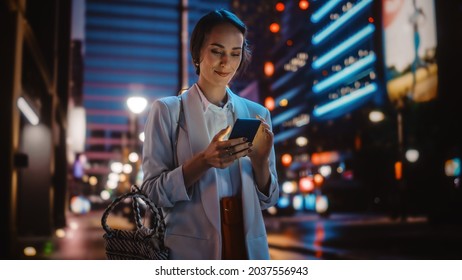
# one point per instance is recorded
(81, 239)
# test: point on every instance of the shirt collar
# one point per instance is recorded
(206, 104)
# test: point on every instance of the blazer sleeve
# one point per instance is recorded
(163, 182)
(273, 193)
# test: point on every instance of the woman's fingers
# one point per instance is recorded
(236, 149)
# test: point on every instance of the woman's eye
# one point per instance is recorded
(217, 52)
(236, 54)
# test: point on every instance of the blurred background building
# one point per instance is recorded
(35, 61)
(363, 95)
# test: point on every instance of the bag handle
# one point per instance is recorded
(157, 225)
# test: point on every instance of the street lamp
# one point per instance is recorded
(137, 105)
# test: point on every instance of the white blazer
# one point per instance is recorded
(193, 214)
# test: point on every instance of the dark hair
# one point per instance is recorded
(203, 28)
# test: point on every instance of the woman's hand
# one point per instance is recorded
(260, 156)
(219, 153)
(222, 153)
(265, 137)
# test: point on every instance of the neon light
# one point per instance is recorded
(287, 134)
(321, 12)
(288, 95)
(344, 74)
(345, 100)
(166, 40)
(28, 112)
(136, 25)
(282, 80)
(131, 10)
(344, 46)
(319, 37)
(287, 114)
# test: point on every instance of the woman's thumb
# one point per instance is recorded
(222, 133)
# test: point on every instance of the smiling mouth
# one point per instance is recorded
(222, 74)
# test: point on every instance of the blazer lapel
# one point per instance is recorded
(199, 141)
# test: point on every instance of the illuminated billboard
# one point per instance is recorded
(410, 48)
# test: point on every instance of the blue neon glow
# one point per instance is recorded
(167, 40)
(134, 24)
(331, 28)
(288, 95)
(344, 46)
(344, 74)
(169, 66)
(345, 100)
(282, 80)
(107, 119)
(283, 202)
(310, 202)
(324, 10)
(281, 136)
(287, 114)
(138, 52)
(145, 79)
(168, 13)
(117, 92)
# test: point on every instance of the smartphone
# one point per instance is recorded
(245, 128)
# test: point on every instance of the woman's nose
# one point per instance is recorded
(224, 60)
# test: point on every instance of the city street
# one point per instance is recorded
(361, 237)
(305, 236)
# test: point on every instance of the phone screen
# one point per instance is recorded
(245, 128)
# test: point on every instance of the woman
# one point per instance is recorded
(192, 170)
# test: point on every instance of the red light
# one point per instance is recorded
(371, 19)
(274, 27)
(269, 104)
(306, 185)
(324, 72)
(303, 4)
(280, 7)
(289, 42)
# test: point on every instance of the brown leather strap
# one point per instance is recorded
(232, 229)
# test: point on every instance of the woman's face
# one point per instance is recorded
(221, 55)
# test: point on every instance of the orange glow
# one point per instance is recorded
(398, 170)
(319, 235)
(289, 42)
(318, 180)
(280, 7)
(358, 142)
(306, 185)
(303, 4)
(324, 158)
(371, 19)
(286, 159)
(269, 103)
(269, 69)
(274, 27)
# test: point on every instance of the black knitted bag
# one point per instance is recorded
(143, 243)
